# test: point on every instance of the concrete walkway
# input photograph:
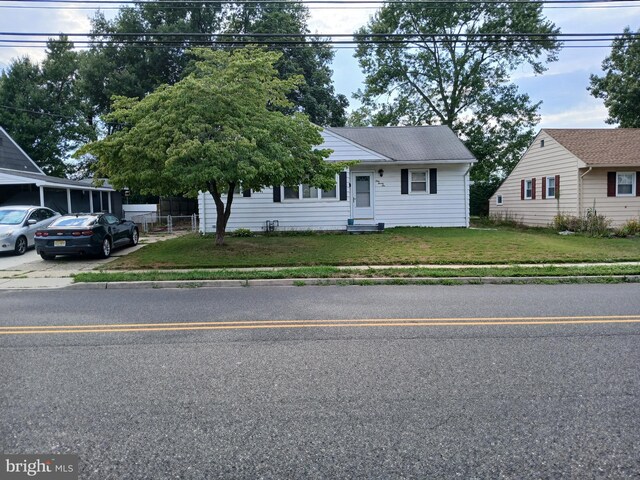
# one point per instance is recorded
(38, 274)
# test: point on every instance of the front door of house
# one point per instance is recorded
(362, 196)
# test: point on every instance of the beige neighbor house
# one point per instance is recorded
(570, 171)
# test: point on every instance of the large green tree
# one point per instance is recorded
(312, 59)
(217, 129)
(135, 65)
(453, 68)
(40, 109)
(620, 86)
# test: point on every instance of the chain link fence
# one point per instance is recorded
(152, 223)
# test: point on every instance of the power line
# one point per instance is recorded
(7, 107)
(435, 6)
(315, 35)
(312, 2)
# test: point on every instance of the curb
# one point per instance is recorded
(299, 282)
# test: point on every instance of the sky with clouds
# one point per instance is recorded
(562, 89)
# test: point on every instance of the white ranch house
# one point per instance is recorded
(406, 176)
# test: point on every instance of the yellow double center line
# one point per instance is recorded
(351, 323)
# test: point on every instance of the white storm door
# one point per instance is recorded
(362, 196)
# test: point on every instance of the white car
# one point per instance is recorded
(18, 224)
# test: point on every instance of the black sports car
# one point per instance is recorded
(85, 234)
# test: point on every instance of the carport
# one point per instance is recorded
(59, 194)
(22, 182)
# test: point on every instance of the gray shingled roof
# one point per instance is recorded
(12, 157)
(409, 144)
(86, 184)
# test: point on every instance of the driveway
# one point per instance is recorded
(30, 271)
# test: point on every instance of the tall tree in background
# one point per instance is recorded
(134, 65)
(452, 73)
(115, 66)
(40, 109)
(620, 86)
(316, 96)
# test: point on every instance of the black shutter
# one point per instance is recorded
(342, 180)
(276, 194)
(246, 193)
(611, 184)
(637, 184)
(433, 180)
(404, 181)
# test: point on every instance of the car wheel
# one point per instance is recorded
(135, 237)
(21, 246)
(105, 252)
(46, 256)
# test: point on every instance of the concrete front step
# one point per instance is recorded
(375, 227)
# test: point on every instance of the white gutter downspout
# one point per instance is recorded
(203, 216)
(466, 195)
(580, 195)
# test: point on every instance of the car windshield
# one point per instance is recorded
(74, 222)
(12, 217)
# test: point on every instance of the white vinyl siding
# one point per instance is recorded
(551, 160)
(252, 213)
(447, 208)
(344, 150)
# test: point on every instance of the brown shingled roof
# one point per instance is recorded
(600, 146)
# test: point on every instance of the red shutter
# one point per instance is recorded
(533, 188)
(637, 184)
(544, 188)
(557, 186)
(521, 189)
(611, 184)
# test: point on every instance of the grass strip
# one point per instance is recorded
(333, 272)
(396, 246)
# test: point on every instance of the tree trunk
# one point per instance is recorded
(222, 212)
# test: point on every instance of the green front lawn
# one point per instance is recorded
(393, 246)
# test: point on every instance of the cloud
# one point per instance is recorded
(41, 21)
(586, 115)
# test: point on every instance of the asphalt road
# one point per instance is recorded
(487, 381)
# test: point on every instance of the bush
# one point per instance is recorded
(501, 219)
(631, 227)
(242, 232)
(592, 223)
(562, 223)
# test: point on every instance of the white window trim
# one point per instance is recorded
(426, 179)
(318, 198)
(547, 194)
(530, 197)
(499, 199)
(633, 184)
